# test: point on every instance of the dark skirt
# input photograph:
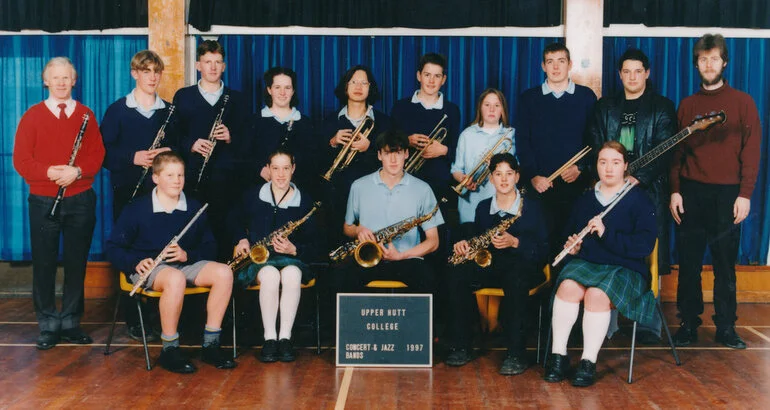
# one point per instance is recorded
(627, 290)
(247, 277)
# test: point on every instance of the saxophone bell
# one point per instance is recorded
(368, 254)
(259, 254)
(483, 258)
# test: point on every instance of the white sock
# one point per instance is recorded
(269, 281)
(564, 316)
(291, 279)
(595, 326)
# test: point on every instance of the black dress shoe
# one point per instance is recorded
(729, 338)
(585, 375)
(135, 332)
(76, 335)
(269, 352)
(556, 368)
(173, 360)
(47, 340)
(458, 357)
(213, 355)
(514, 364)
(686, 335)
(285, 351)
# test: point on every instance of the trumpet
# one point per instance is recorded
(572, 161)
(478, 245)
(368, 253)
(53, 213)
(212, 139)
(437, 135)
(347, 153)
(259, 252)
(155, 145)
(482, 168)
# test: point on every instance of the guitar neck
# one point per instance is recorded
(659, 150)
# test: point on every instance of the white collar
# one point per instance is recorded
(513, 210)
(132, 103)
(294, 116)
(570, 89)
(356, 122)
(181, 204)
(438, 105)
(217, 93)
(267, 196)
(53, 106)
(601, 198)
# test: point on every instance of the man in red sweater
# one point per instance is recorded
(44, 142)
(712, 177)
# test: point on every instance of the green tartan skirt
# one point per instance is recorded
(627, 290)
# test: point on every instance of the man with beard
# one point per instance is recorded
(712, 177)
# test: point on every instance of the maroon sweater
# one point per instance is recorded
(43, 140)
(725, 154)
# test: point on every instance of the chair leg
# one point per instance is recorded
(144, 335)
(668, 334)
(317, 322)
(235, 343)
(112, 328)
(547, 346)
(539, 328)
(633, 350)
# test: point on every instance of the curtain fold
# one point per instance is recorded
(103, 66)
(689, 13)
(60, 15)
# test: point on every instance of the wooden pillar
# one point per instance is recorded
(583, 23)
(167, 38)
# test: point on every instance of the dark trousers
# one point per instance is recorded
(76, 226)
(707, 220)
(557, 205)
(221, 195)
(514, 275)
(415, 273)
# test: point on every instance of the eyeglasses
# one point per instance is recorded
(361, 83)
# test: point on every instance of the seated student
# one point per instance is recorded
(383, 198)
(490, 124)
(517, 256)
(609, 267)
(263, 211)
(143, 229)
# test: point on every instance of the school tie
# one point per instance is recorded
(62, 114)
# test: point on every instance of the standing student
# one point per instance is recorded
(43, 146)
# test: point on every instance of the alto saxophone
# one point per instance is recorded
(260, 251)
(212, 139)
(478, 251)
(368, 253)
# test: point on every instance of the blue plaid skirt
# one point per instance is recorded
(247, 277)
(627, 290)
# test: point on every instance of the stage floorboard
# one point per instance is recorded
(71, 376)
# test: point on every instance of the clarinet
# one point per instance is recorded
(55, 211)
(143, 276)
(155, 144)
(212, 139)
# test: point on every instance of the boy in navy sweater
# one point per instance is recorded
(142, 232)
(517, 257)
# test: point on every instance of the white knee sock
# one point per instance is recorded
(291, 279)
(564, 316)
(269, 281)
(595, 326)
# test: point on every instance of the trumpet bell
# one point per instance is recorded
(368, 254)
(483, 258)
(259, 254)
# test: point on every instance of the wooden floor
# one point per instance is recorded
(71, 376)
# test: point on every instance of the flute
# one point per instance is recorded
(53, 214)
(158, 259)
(155, 144)
(623, 191)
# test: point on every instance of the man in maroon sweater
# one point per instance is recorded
(44, 142)
(712, 177)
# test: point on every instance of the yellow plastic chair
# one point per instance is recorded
(125, 286)
(386, 284)
(488, 301)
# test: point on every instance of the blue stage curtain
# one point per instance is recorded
(103, 69)
(673, 75)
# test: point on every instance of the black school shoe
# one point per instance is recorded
(514, 364)
(213, 355)
(285, 351)
(135, 332)
(686, 335)
(269, 352)
(585, 375)
(458, 357)
(47, 340)
(173, 360)
(729, 338)
(75, 335)
(556, 368)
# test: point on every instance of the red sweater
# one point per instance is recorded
(725, 154)
(43, 140)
